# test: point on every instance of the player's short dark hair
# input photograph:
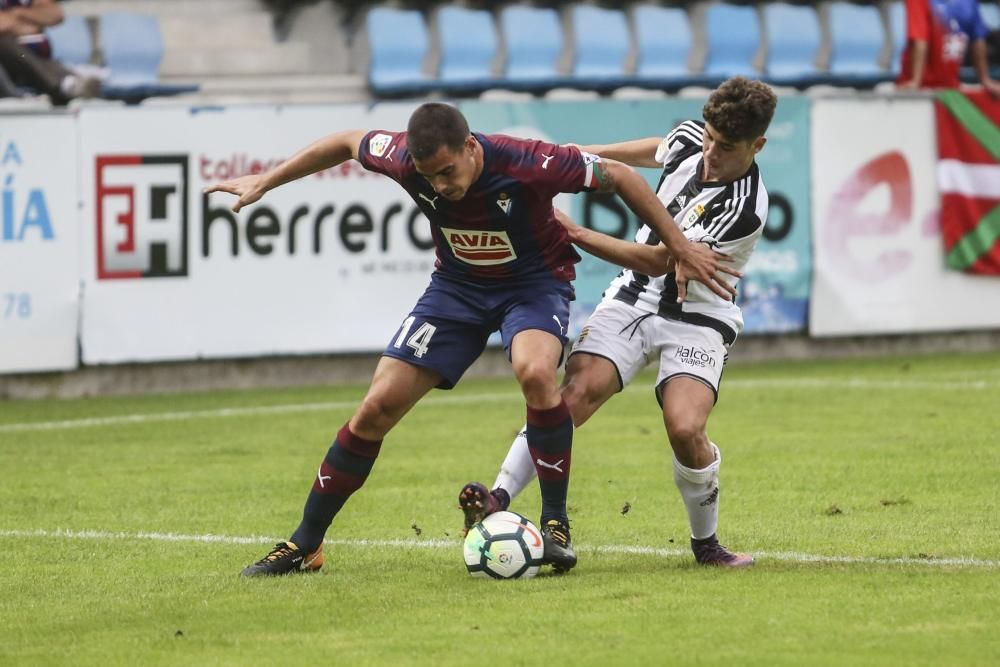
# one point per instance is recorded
(434, 125)
(740, 109)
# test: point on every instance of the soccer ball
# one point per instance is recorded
(504, 545)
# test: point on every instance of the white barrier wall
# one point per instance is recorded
(108, 204)
(39, 267)
(330, 263)
(878, 256)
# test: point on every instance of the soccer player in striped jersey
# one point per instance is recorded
(504, 263)
(711, 186)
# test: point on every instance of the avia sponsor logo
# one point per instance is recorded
(142, 211)
(142, 219)
(481, 248)
(695, 356)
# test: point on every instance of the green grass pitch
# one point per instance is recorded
(868, 490)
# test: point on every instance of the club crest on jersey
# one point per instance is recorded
(480, 247)
(504, 202)
(693, 215)
(378, 144)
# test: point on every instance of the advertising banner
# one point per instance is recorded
(333, 262)
(879, 260)
(774, 294)
(330, 263)
(39, 261)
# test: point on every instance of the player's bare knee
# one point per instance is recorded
(375, 415)
(686, 435)
(538, 383)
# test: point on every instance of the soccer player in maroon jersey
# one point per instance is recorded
(503, 263)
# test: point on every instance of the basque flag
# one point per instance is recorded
(968, 175)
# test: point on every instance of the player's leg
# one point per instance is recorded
(606, 356)
(589, 382)
(535, 356)
(395, 388)
(426, 352)
(687, 388)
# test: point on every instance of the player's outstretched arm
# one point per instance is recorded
(636, 153)
(650, 260)
(317, 156)
(693, 261)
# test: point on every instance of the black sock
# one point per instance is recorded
(502, 496)
(550, 441)
(343, 471)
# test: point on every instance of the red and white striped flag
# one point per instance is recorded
(968, 127)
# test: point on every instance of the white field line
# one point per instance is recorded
(252, 411)
(783, 556)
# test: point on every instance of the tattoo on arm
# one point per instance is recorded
(605, 181)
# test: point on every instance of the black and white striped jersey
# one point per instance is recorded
(729, 216)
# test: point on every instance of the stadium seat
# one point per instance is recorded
(468, 48)
(793, 41)
(398, 44)
(856, 42)
(733, 36)
(133, 48)
(602, 46)
(663, 44)
(534, 42)
(897, 33)
(72, 43)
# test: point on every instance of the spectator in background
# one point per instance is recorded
(25, 53)
(938, 33)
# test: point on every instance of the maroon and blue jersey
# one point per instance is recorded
(504, 227)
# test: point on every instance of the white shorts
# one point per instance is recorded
(631, 339)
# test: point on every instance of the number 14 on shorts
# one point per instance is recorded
(420, 340)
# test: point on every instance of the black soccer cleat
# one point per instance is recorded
(709, 552)
(477, 503)
(285, 558)
(558, 546)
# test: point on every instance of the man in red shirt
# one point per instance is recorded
(938, 32)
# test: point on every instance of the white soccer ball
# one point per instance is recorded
(504, 545)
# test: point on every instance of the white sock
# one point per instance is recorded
(68, 84)
(517, 469)
(700, 491)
